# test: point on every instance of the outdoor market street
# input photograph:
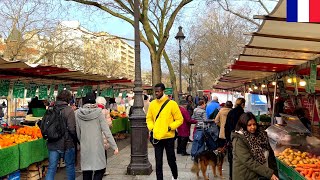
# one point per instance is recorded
(117, 166)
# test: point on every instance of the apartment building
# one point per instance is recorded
(75, 47)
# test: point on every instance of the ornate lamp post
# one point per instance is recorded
(191, 64)
(180, 36)
(139, 164)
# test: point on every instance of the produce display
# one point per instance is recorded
(116, 114)
(307, 164)
(23, 134)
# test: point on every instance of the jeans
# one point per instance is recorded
(93, 175)
(168, 145)
(69, 158)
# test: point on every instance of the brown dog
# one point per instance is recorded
(214, 157)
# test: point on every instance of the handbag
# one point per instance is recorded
(152, 140)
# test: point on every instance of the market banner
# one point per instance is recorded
(104, 92)
(4, 87)
(86, 89)
(31, 90)
(18, 89)
(60, 88)
(116, 93)
(79, 92)
(124, 94)
(313, 73)
(51, 92)
(43, 92)
(307, 87)
(68, 87)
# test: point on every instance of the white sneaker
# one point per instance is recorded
(174, 178)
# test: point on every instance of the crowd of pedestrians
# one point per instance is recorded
(249, 153)
(89, 127)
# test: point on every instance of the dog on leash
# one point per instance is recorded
(215, 158)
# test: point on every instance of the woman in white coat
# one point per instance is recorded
(90, 124)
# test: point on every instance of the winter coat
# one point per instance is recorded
(222, 118)
(90, 124)
(199, 114)
(245, 167)
(67, 141)
(184, 129)
(211, 107)
(232, 120)
(170, 116)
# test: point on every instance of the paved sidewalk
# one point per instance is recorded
(117, 166)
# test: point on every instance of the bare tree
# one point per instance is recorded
(157, 18)
(22, 21)
(211, 44)
(247, 8)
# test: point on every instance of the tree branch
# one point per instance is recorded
(237, 14)
(104, 8)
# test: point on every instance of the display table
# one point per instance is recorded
(22, 155)
(120, 124)
(9, 160)
(31, 152)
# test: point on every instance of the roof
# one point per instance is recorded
(276, 48)
(17, 70)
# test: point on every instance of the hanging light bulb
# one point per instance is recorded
(289, 80)
(263, 85)
(250, 89)
(255, 87)
(302, 83)
(274, 83)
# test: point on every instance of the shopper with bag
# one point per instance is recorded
(163, 118)
(90, 124)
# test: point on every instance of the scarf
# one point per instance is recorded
(259, 143)
(101, 106)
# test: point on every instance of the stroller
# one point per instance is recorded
(205, 138)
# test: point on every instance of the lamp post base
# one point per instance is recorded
(139, 169)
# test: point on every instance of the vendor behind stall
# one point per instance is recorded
(301, 114)
(35, 103)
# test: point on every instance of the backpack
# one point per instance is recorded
(53, 126)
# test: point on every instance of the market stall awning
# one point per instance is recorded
(277, 46)
(17, 70)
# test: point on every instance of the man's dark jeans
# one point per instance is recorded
(168, 145)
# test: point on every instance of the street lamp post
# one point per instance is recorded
(191, 64)
(139, 164)
(180, 36)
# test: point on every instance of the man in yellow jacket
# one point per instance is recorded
(163, 128)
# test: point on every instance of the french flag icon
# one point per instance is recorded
(303, 10)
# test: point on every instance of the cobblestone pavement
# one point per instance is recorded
(117, 166)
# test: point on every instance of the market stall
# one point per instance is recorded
(20, 145)
(282, 61)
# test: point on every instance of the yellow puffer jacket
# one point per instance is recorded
(170, 116)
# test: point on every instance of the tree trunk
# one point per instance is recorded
(156, 69)
(172, 77)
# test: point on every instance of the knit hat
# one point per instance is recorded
(89, 99)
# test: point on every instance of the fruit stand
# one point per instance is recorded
(120, 122)
(21, 148)
(297, 152)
